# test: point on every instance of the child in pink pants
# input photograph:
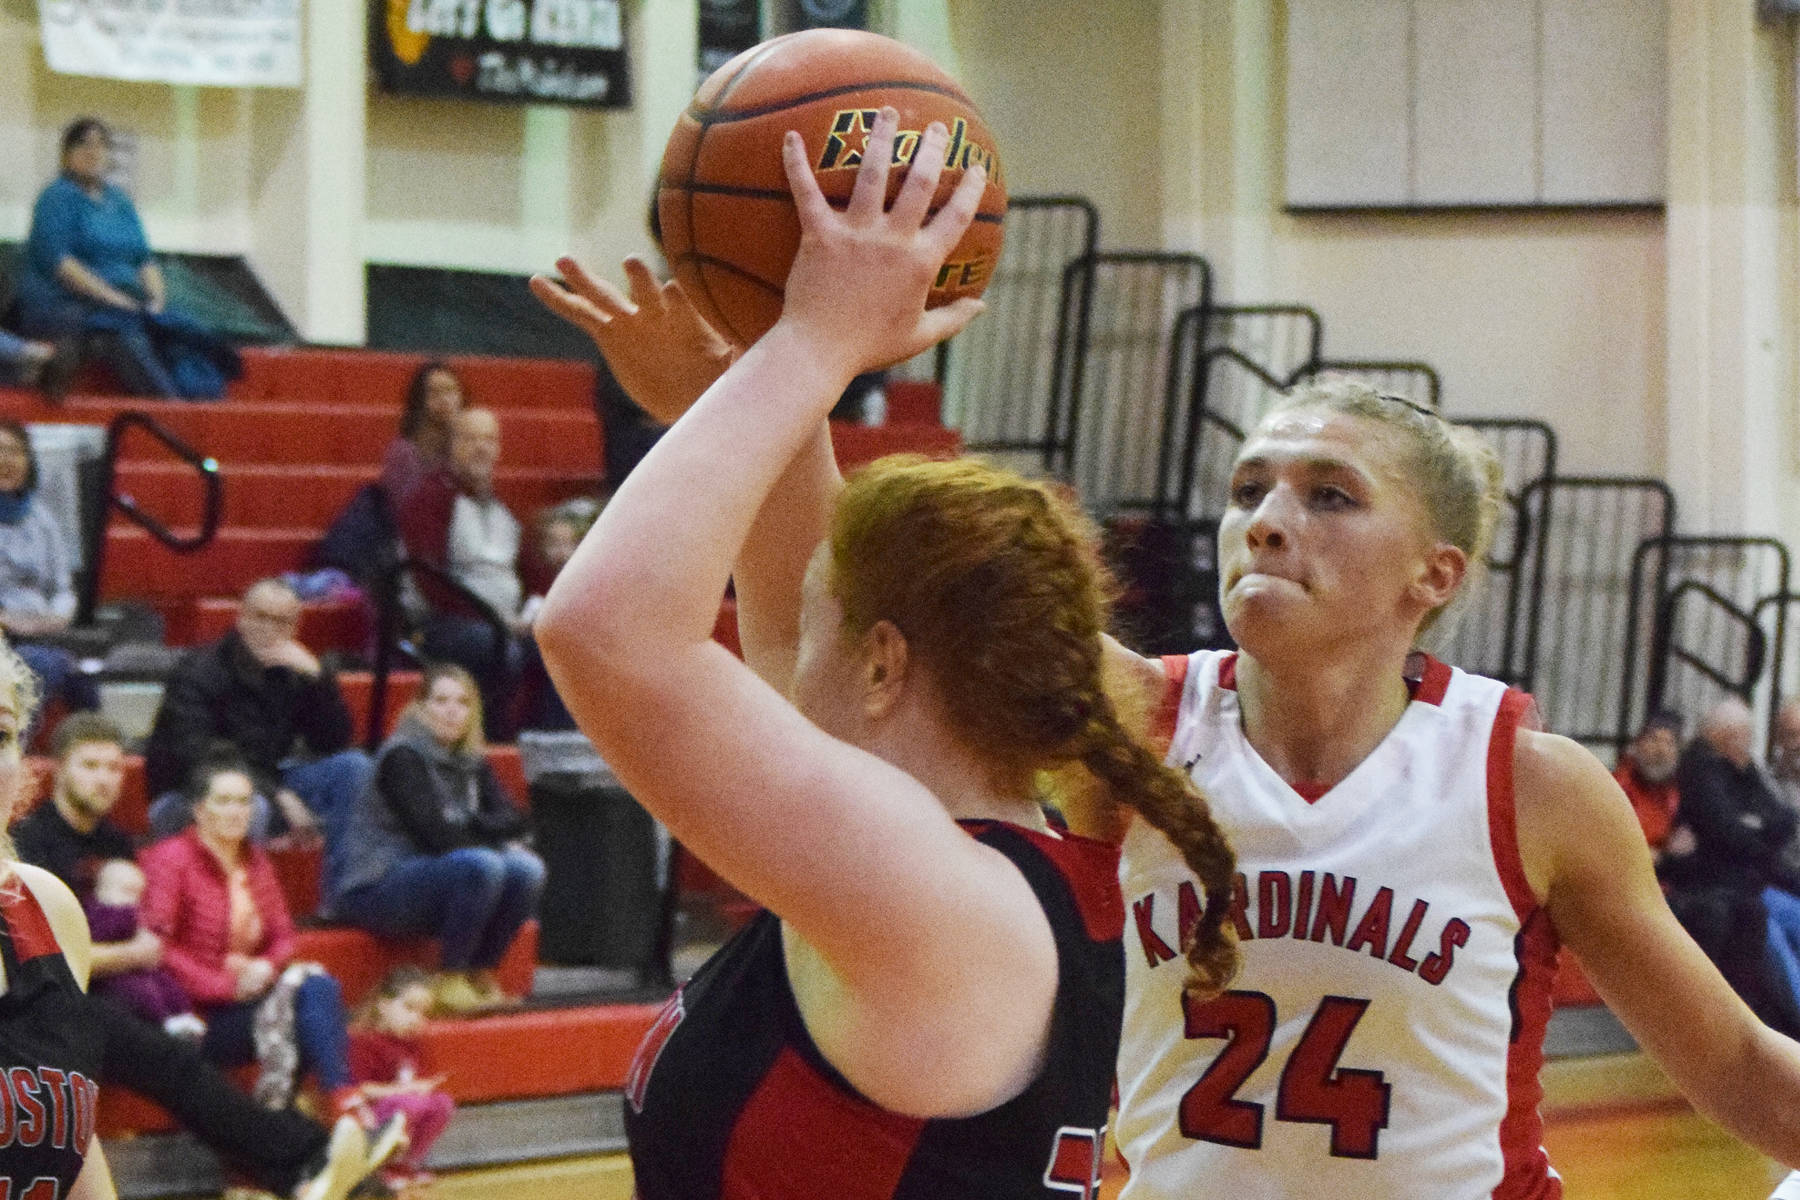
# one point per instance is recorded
(384, 1061)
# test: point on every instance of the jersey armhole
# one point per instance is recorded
(1168, 707)
(1516, 709)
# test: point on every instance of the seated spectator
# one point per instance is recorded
(89, 281)
(37, 590)
(261, 692)
(1646, 772)
(150, 992)
(423, 446)
(433, 846)
(1741, 831)
(453, 521)
(282, 1150)
(558, 529)
(385, 1058)
(215, 902)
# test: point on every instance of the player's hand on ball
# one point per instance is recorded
(859, 283)
(661, 351)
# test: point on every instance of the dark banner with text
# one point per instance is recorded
(727, 29)
(516, 51)
(834, 14)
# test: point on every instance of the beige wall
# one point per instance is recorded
(1165, 112)
(1557, 316)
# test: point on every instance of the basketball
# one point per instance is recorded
(729, 227)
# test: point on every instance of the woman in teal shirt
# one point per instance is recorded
(88, 271)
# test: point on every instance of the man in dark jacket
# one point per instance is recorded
(258, 689)
(1733, 892)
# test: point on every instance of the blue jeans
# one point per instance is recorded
(1784, 936)
(328, 785)
(60, 675)
(473, 900)
(318, 1029)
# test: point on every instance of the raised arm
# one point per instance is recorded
(859, 860)
(664, 354)
(1586, 859)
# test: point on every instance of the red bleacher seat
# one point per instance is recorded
(324, 624)
(1572, 989)
(358, 690)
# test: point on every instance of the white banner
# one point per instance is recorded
(221, 43)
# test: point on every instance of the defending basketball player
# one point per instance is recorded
(1411, 851)
(930, 1007)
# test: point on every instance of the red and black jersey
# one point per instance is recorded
(729, 1099)
(49, 1057)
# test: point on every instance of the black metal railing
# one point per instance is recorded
(1580, 624)
(1710, 635)
(1485, 630)
(111, 499)
(1118, 323)
(391, 630)
(999, 375)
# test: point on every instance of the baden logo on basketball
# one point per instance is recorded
(849, 136)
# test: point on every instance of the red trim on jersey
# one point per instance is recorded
(31, 933)
(1162, 725)
(1503, 825)
(1311, 791)
(1228, 671)
(1527, 1173)
(1089, 867)
(799, 1136)
(1433, 681)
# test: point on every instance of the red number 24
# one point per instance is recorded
(1313, 1090)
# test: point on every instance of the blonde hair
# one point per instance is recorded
(997, 586)
(473, 742)
(19, 680)
(1461, 486)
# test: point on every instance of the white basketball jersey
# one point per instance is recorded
(1384, 1036)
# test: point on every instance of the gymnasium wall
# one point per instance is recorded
(1167, 113)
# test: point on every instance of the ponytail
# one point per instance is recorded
(1168, 800)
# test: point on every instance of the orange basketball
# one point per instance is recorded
(729, 227)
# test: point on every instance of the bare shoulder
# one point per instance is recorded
(1568, 806)
(63, 912)
(1135, 681)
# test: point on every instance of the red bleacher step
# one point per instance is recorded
(238, 432)
(323, 375)
(306, 495)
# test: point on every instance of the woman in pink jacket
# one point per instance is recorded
(227, 935)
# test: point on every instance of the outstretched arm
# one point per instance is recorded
(665, 355)
(1586, 859)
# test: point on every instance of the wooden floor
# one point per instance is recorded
(1658, 1154)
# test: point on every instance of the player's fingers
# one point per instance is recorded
(675, 300)
(869, 195)
(940, 324)
(914, 200)
(600, 293)
(809, 201)
(954, 219)
(565, 304)
(645, 291)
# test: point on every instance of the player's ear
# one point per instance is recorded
(885, 663)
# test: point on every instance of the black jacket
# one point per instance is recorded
(1740, 826)
(221, 693)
